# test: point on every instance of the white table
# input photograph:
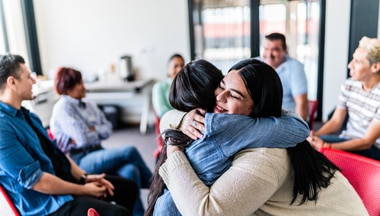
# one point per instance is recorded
(124, 93)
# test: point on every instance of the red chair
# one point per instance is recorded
(6, 204)
(363, 173)
(51, 136)
(160, 142)
(312, 104)
(92, 212)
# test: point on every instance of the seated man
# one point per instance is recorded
(37, 176)
(360, 98)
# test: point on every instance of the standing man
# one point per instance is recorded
(291, 72)
(37, 176)
(360, 98)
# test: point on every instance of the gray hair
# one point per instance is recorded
(372, 46)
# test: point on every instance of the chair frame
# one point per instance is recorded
(160, 142)
(12, 207)
(313, 105)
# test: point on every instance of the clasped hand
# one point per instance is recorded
(99, 186)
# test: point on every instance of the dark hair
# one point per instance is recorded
(176, 55)
(193, 87)
(277, 36)
(312, 170)
(9, 66)
(263, 85)
(66, 79)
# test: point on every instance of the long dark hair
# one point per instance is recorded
(312, 170)
(193, 87)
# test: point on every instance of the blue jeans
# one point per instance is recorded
(165, 205)
(373, 152)
(125, 162)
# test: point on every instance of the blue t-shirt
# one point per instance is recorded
(22, 163)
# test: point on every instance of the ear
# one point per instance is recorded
(11, 82)
(375, 67)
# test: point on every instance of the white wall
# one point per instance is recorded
(90, 35)
(336, 49)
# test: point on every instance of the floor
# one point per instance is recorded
(145, 143)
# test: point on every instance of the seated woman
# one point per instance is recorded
(200, 78)
(160, 90)
(261, 181)
(79, 126)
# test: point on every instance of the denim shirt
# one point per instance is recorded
(22, 163)
(227, 134)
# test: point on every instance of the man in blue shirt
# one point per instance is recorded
(39, 178)
(291, 72)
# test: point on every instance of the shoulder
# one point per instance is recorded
(62, 104)
(293, 61)
(349, 84)
(161, 85)
(274, 162)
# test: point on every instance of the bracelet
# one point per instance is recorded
(328, 145)
(83, 178)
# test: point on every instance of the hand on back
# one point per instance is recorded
(192, 123)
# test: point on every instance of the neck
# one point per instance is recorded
(10, 100)
(371, 83)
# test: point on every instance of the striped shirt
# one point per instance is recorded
(363, 108)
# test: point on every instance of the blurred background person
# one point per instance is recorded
(160, 91)
(291, 72)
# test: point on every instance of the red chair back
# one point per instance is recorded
(7, 206)
(312, 104)
(363, 173)
(51, 135)
(160, 142)
(92, 212)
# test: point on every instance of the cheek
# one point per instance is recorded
(217, 92)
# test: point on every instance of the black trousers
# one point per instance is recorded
(125, 195)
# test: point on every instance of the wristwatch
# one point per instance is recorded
(83, 178)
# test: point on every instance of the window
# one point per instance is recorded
(221, 31)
